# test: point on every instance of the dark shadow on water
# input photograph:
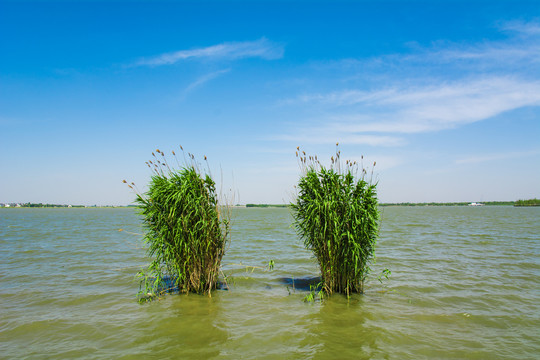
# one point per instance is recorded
(167, 285)
(301, 283)
(305, 283)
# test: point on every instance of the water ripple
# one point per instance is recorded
(463, 285)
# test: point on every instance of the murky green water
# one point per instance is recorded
(465, 284)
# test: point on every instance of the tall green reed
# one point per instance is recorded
(186, 228)
(336, 214)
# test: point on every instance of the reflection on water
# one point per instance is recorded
(463, 285)
(339, 329)
(166, 333)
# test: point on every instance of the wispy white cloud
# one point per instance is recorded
(262, 48)
(428, 89)
(418, 109)
(486, 56)
(522, 27)
(516, 54)
(496, 157)
(522, 46)
(329, 135)
(204, 79)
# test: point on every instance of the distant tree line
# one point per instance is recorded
(507, 203)
(491, 203)
(266, 205)
(40, 205)
(530, 202)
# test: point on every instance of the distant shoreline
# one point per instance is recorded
(519, 203)
(39, 206)
(489, 203)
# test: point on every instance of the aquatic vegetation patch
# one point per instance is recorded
(186, 228)
(336, 214)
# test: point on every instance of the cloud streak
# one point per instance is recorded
(521, 27)
(515, 54)
(204, 79)
(362, 117)
(262, 48)
(329, 135)
(434, 108)
(429, 90)
(496, 157)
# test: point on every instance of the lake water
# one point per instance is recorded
(464, 284)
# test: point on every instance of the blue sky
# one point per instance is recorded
(443, 95)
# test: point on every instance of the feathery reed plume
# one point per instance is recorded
(336, 214)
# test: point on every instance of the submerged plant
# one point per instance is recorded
(186, 229)
(336, 214)
(315, 293)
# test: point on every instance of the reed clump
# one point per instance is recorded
(186, 228)
(336, 214)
